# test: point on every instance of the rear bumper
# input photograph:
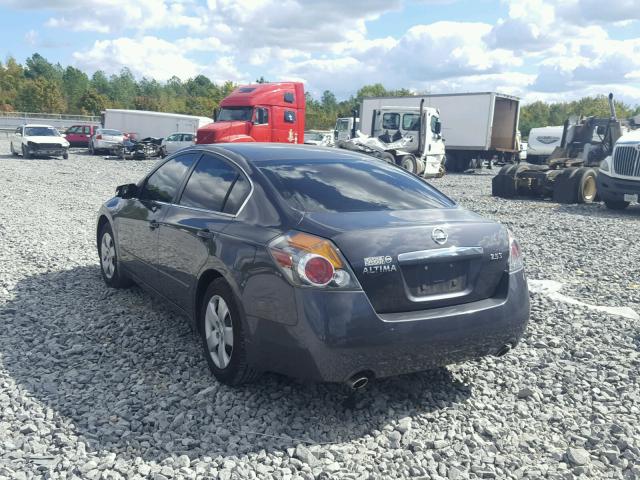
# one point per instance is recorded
(614, 189)
(338, 334)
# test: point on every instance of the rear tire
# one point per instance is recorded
(388, 157)
(566, 185)
(109, 266)
(587, 190)
(409, 163)
(616, 204)
(221, 330)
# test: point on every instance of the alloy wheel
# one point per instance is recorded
(219, 331)
(108, 255)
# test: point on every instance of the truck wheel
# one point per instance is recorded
(409, 163)
(422, 166)
(616, 204)
(587, 190)
(565, 186)
(388, 157)
(504, 183)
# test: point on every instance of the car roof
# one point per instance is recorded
(37, 125)
(261, 152)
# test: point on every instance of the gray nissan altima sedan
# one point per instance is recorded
(314, 262)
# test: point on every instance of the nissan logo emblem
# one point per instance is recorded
(439, 235)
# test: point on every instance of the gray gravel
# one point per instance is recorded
(104, 384)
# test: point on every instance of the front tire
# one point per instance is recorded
(109, 267)
(222, 334)
(92, 150)
(13, 152)
(65, 155)
(25, 152)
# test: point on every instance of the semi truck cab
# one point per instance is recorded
(618, 179)
(264, 112)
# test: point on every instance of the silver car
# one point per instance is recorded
(175, 142)
(105, 139)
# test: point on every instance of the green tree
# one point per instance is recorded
(40, 95)
(74, 84)
(92, 102)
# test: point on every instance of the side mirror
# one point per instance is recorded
(130, 190)
(438, 127)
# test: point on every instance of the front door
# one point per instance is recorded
(138, 221)
(261, 129)
(190, 233)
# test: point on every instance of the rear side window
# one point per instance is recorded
(212, 184)
(289, 116)
(238, 194)
(348, 185)
(163, 184)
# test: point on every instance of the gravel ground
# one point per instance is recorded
(97, 383)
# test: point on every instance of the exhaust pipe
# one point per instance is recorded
(420, 141)
(612, 107)
(358, 381)
(502, 351)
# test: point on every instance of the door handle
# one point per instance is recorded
(153, 224)
(205, 233)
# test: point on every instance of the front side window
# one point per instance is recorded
(235, 114)
(339, 185)
(391, 121)
(434, 122)
(342, 125)
(163, 184)
(74, 130)
(262, 116)
(172, 138)
(411, 122)
(210, 184)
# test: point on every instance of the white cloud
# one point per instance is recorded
(538, 49)
(148, 56)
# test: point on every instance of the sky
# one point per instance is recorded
(535, 49)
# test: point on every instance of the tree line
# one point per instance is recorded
(41, 86)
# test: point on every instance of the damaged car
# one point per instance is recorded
(38, 141)
(315, 262)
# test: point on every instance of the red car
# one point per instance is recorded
(79, 135)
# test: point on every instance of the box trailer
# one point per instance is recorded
(475, 126)
(143, 124)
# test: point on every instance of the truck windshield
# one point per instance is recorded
(239, 114)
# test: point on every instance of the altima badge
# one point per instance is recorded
(439, 235)
(379, 264)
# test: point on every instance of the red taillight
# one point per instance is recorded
(315, 269)
(516, 260)
(307, 260)
(98, 137)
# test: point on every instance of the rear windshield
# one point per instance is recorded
(115, 133)
(350, 186)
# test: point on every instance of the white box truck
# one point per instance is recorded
(475, 126)
(143, 124)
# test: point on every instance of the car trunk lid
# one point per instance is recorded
(416, 260)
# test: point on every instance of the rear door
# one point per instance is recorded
(137, 222)
(190, 233)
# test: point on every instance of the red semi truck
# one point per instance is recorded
(263, 112)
